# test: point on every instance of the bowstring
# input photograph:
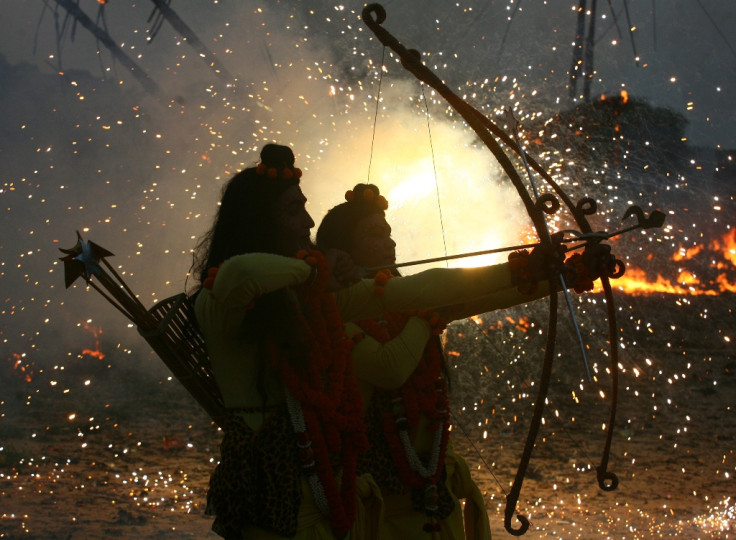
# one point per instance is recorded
(515, 370)
(434, 171)
(455, 420)
(514, 366)
(375, 116)
(431, 145)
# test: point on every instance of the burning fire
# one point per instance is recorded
(725, 285)
(636, 282)
(96, 352)
(523, 324)
(726, 246)
(686, 254)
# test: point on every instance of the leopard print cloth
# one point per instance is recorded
(378, 462)
(257, 482)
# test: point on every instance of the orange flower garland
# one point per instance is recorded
(287, 173)
(423, 394)
(368, 196)
(209, 281)
(521, 275)
(583, 280)
(380, 280)
(328, 397)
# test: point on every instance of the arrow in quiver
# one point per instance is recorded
(169, 327)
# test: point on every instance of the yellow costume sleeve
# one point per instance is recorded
(220, 312)
(499, 300)
(245, 277)
(428, 289)
(388, 365)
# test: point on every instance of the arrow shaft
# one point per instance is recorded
(582, 238)
(452, 257)
(563, 283)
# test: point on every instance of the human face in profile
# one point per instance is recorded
(293, 222)
(372, 245)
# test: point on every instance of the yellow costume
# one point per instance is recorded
(387, 367)
(251, 387)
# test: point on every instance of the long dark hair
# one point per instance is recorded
(245, 221)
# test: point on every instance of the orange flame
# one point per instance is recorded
(726, 286)
(96, 352)
(522, 324)
(726, 246)
(635, 282)
(686, 254)
(686, 278)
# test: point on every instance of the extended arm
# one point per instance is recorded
(388, 365)
(428, 289)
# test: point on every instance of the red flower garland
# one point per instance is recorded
(583, 279)
(328, 395)
(423, 394)
(209, 282)
(521, 274)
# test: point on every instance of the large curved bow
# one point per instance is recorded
(374, 15)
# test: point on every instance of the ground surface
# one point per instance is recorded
(101, 451)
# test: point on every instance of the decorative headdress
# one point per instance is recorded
(366, 194)
(277, 163)
(286, 173)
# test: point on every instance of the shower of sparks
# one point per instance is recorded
(719, 520)
(89, 415)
